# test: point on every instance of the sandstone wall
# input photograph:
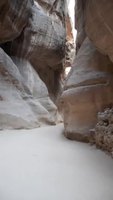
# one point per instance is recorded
(89, 86)
(42, 42)
(32, 41)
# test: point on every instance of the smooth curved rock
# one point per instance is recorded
(88, 89)
(99, 25)
(24, 100)
(14, 16)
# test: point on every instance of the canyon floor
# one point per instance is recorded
(41, 164)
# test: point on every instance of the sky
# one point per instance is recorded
(71, 7)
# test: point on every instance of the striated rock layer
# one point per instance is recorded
(14, 16)
(42, 42)
(89, 86)
(32, 41)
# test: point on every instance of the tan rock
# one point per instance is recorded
(80, 23)
(88, 89)
(99, 25)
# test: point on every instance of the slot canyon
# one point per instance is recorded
(56, 100)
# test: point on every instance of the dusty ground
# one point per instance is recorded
(41, 164)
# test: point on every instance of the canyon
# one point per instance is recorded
(56, 94)
(36, 47)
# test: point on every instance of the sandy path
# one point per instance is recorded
(41, 164)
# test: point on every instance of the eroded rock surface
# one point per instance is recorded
(103, 137)
(99, 25)
(90, 79)
(14, 16)
(42, 42)
(32, 41)
(24, 100)
(89, 86)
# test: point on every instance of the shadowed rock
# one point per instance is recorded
(14, 16)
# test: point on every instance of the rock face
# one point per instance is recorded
(89, 85)
(80, 23)
(32, 39)
(24, 100)
(43, 42)
(99, 25)
(14, 15)
(103, 137)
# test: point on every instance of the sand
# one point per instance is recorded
(41, 164)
